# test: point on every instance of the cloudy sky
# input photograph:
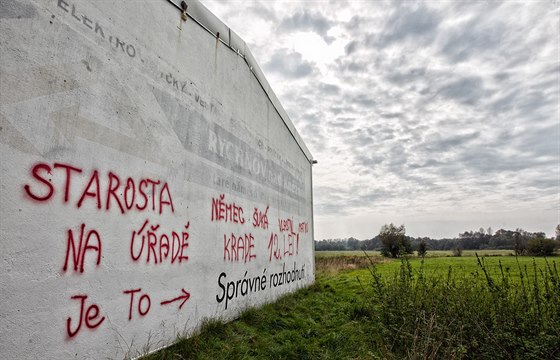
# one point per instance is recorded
(441, 115)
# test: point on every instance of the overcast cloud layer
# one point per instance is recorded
(440, 115)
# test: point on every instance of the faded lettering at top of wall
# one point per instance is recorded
(227, 150)
(93, 25)
(212, 142)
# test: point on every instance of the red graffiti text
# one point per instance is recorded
(88, 314)
(159, 247)
(286, 225)
(144, 302)
(260, 219)
(102, 192)
(89, 241)
(287, 246)
(239, 248)
(274, 248)
(227, 212)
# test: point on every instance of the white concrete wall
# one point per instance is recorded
(149, 179)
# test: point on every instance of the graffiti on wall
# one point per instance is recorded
(152, 243)
(109, 192)
(156, 199)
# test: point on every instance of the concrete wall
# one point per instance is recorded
(149, 179)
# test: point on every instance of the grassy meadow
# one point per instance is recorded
(363, 306)
(430, 254)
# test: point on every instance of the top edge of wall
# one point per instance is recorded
(210, 22)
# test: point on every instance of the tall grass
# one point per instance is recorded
(332, 265)
(476, 315)
(437, 308)
(323, 322)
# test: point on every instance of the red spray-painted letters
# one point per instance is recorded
(90, 241)
(90, 316)
(103, 192)
(159, 247)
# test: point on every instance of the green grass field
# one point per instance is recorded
(374, 308)
(430, 254)
(468, 265)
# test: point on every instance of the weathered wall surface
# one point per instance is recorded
(149, 179)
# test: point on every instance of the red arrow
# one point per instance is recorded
(183, 297)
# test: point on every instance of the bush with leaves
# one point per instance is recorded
(422, 249)
(541, 246)
(478, 315)
(394, 243)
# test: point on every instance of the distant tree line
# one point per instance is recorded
(393, 242)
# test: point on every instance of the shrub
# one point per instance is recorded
(473, 316)
(458, 251)
(422, 249)
(540, 246)
(394, 243)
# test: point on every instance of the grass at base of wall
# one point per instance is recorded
(322, 321)
(439, 308)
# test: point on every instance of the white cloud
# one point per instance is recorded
(314, 48)
(443, 116)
